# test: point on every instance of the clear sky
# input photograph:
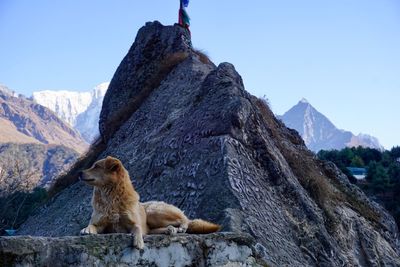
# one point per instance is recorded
(342, 55)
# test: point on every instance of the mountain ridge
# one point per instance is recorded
(24, 121)
(80, 110)
(318, 132)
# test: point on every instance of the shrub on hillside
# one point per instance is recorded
(383, 173)
(17, 207)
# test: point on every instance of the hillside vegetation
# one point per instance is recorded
(26, 170)
(382, 182)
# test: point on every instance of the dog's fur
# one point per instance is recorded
(163, 218)
(116, 207)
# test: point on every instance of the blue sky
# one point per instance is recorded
(342, 55)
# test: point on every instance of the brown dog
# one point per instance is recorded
(116, 207)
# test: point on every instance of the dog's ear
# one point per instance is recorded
(112, 164)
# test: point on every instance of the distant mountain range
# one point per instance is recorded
(318, 132)
(35, 144)
(80, 110)
(23, 121)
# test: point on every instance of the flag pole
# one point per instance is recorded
(184, 19)
(180, 19)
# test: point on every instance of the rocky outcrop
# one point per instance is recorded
(141, 69)
(191, 135)
(225, 249)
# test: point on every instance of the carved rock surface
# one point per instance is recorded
(153, 43)
(224, 249)
(202, 142)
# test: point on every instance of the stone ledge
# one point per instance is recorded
(219, 249)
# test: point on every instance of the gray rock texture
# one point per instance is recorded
(224, 249)
(153, 43)
(200, 141)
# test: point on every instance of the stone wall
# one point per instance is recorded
(223, 249)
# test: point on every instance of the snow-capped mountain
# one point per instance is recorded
(87, 122)
(7, 90)
(366, 140)
(66, 104)
(318, 132)
(80, 109)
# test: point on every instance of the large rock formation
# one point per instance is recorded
(224, 249)
(189, 134)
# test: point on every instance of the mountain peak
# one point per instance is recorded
(156, 46)
(79, 109)
(318, 132)
(102, 87)
(304, 101)
(8, 91)
(5, 89)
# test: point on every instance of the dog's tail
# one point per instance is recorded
(199, 226)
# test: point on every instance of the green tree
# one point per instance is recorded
(386, 159)
(395, 152)
(357, 162)
(378, 177)
(394, 173)
(369, 154)
(346, 155)
(372, 166)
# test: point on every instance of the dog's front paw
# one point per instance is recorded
(138, 242)
(183, 228)
(172, 230)
(90, 230)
